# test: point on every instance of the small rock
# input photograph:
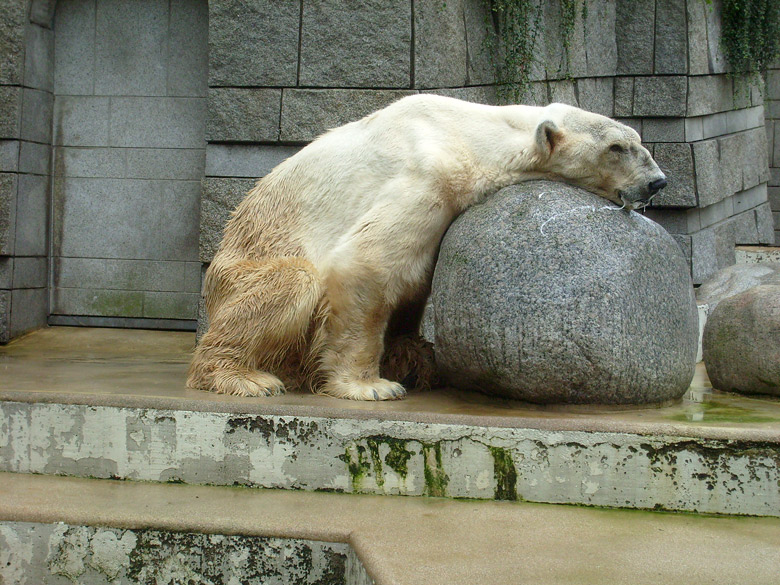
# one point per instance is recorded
(548, 293)
(742, 342)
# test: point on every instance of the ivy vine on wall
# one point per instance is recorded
(750, 34)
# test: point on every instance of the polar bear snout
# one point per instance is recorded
(655, 186)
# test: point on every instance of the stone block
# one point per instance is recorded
(9, 156)
(478, 24)
(561, 63)
(6, 272)
(31, 216)
(42, 12)
(74, 49)
(440, 44)
(131, 40)
(94, 162)
(717, 212)
(776, 144)
(715, 56)
(30, 272)
(29, 308)
(95, 302)
(675, 221)
(192, 277)
(660, 96)
(711, 250)
(188, 49)
(165, 163)
(745, 230)
(676, 161)
(5, 316)
(237, 114)
(39, 58)
(732, 161)
(179, 239)
(307, 113)
(765, 225)
(13, 20)
(774, 197)
(481, 94)
(624, 96)
(698, 50)
(773, 84)
(600, 41)
(754, 158)
(563, 92)
(596, 94)
(709, 185)
(750, 198)
(663, 130)
(694, 129)
(774, 177)
(169, 305)
(772, 109)
(10, 111)
(158, 122)
(634, 33)
(220, 197)
(34, 158)
(81, 204)
(254, 43)
(8, 188)
(714, 125)
(119, 274)
(81, 121)
(684, 242)
(238, 160)
(671, 37)
(357, 44)
(708, 94)
(37, 109)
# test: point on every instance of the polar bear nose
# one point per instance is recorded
(656, 186)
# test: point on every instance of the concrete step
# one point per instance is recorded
(63, 530)
(111, 404)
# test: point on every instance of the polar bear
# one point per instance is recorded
(329, 258)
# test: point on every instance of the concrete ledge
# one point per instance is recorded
(407, 541)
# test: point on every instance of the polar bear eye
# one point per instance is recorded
(617, 148)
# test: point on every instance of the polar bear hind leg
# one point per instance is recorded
(267, 314)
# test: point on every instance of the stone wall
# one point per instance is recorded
(772, 109)
(283, 71)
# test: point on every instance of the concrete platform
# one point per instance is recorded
(112, 404)
(397, 541)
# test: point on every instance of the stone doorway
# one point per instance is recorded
(130, 82)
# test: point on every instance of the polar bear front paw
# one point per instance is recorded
(379, 389)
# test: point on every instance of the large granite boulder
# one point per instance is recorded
(741, 342)
(547, 293)
(736, 279)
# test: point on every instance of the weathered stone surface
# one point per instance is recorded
(29, 310)
(220, 197)
(253, 42)
(660, 96)
(39, 58)
(5, 316)
(245, 160)
(736, 279)
(37, 107)
(600, 42)
(697, 37)
(8, 187)
(6, 272)
(483, 94)
(9, 156)
(356, 44)
(480, 64)
(596, 94)
(243, 114)
(708, 94)
(307, 113)
(712, 249)
(547, 293)
(12, 24)
(564, 92)
(440, 45)
(634, 32)
(624, 96)
(765, 225)
(10, 111)
(671, 37)
(61, 554)
(715, 56)
(741, 342)
(709, 186)
(663, 130)
(676, 161)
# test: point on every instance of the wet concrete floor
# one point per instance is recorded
(132, 367)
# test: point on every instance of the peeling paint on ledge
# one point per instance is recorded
(392, 457)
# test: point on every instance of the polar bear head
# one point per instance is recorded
(598, 154)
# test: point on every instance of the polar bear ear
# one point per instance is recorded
(548, 135)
